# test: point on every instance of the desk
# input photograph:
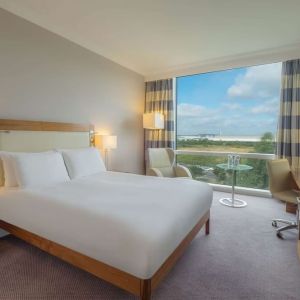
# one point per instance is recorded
(233, 202)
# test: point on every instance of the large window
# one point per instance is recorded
(233, 111)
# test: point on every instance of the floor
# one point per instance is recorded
(241, 259)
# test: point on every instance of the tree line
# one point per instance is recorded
(255, 178)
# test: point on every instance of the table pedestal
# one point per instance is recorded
(233, 202)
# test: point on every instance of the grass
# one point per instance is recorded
(219, 148)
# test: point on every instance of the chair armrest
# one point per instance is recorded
(182, 171)
(154, 172)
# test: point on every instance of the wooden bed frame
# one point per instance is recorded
(137, 286)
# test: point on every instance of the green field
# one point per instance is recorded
(204, 167)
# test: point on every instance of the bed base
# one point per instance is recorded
(137, 286)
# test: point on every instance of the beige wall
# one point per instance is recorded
(46, 77)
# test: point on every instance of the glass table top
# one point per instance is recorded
(234, 168)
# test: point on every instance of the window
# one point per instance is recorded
(233, 111)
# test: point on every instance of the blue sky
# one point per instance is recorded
(242, 101)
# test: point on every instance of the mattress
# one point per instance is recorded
(130, 222)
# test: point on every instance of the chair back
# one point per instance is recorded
(162, 159)
(279, 175)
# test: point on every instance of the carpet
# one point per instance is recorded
(241, 259)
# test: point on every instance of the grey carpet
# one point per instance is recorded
(241, 259)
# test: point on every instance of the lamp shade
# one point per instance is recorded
(109, 141)
(153, 120)
(106, 141)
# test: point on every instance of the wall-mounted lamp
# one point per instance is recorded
(106, 143)
(153, 120)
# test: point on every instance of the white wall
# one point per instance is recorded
(46, 77)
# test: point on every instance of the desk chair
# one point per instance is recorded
(298, 228)
(283, 187)
(161, 163)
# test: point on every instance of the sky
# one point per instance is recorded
(242, 101)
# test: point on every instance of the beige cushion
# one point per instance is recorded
(279, 175)
(167, 172)
(287, 196)
(159, 158)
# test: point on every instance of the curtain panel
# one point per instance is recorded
(159, 98)
(288, 134)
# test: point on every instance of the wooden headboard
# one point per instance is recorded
(21, 135)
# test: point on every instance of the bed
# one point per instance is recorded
(126, 229)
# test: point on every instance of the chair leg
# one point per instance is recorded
(290, 225)
(284, 228)
(291, 208)
(275, 221)
(145, 290)
(207, 227)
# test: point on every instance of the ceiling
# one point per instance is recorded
(157, 36)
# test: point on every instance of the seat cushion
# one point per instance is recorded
(287, 196)
(167, 171)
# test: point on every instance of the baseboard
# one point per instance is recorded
(3, 233)
(242, 190)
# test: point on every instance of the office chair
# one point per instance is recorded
(284, 187)
(298, 228)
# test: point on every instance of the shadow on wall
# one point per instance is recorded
(3, 233)
(130, 124)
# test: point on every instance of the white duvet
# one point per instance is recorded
(128, 221)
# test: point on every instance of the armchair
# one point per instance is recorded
(161, 163)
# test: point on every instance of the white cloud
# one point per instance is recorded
(192, 110)
(231, 106)
(269, 107)
(259, 82)
(197, 119)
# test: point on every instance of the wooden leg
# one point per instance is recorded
(207, 227)
(146, 289)
(291, 208)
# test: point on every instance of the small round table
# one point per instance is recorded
(233, 202)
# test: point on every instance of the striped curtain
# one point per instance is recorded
(288, 135)
(159, 98)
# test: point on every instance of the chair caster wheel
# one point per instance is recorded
(279, 235)
(274, 224)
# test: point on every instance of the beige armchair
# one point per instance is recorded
(161, 163)
(284, 187)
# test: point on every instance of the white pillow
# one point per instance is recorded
(10, 179)
(83, 162)
(39, 169)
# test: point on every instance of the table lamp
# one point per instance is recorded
(107, 143)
